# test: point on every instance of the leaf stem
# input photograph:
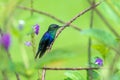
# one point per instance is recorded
(31, 7)
(89, 72)
(5, 77)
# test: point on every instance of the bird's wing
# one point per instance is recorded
(47, 38)
(44, 43)
(44, 39)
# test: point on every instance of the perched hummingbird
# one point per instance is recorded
(47, 39)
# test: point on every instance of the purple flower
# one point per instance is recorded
(5, 40)
(36, 29)
(28, 43)
(0, 36)
(99, 61)
(0, 31)
(0, 40)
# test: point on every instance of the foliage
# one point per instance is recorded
(73, 75)
(102, 36)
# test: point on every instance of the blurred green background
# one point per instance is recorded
(70, 48)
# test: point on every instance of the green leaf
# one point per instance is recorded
(102, 49)
(4, 61)
(67, 78)
(116, 3)
(101, 35)
(56, 55)
(108, 10)
(73, 75)
(116, 76)
(11, 66)
(22, 70)
(95, 75)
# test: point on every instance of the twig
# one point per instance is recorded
(5, 77)
(32, 35)
(48, 68)
(106, 22)
(17, 76)
(73, 19)
(33, 39)
(31, 7)
(49, 15)
(43, 74)
(33, 43)
(89, 72)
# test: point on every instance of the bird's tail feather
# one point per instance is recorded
(42, 52)
(37, 54)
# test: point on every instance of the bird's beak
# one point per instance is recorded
(60, 27)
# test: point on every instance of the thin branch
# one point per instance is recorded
(89, 72)
(17, 76)
(33, 43)
(48, 15)
(73, 19)
(31, 6)
(48, 68)
(32, 35)
(106, 22)
(43, 74)
(5, 77)
(33, 40)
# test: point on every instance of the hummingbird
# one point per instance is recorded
(47, 40)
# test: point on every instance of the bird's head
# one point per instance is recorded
(53, 27)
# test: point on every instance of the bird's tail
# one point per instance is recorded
(37, 54)
(40, 52)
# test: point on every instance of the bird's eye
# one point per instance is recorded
(55, 26)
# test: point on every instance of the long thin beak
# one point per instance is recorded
(59, 26)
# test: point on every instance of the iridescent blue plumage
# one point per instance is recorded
(47, 39)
